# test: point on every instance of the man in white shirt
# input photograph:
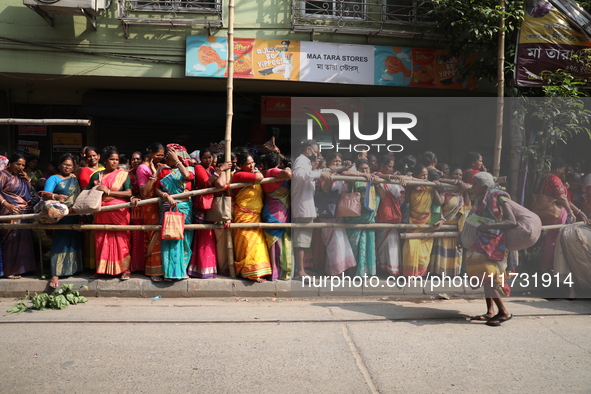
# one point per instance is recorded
(303, 209)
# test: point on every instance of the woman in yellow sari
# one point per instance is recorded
(416, 253)
(446, 258)
(250, 248)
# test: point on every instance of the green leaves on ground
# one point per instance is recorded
(60, 299)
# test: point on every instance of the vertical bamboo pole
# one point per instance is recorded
(229, 116)
(500, 92)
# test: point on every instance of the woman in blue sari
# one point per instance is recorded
(176, 254)
(18, 254)
(363, 242)
(66, 249)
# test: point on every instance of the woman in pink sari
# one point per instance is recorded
(113, 254)
(138, 250)
(204, 259)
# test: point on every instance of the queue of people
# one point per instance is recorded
(305, 193)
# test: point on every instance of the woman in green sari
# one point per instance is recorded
(66, 249)
(363, 242)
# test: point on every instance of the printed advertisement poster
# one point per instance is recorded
(28, 148)
(393, 66)
(447, 74)
(337, 63)
(206, 56)
(547, 42)
(67, 142)
(277, 60)
(37, 130)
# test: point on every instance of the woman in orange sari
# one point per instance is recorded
(147, 176)
(250, 248)
(113, 254)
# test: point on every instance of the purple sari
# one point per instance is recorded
(18, 254)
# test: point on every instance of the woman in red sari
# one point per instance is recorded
(204, 259)
(147, 176)
(113, 254)
(472, 166)
(553, 186)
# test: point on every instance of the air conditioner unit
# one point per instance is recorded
(88, 8)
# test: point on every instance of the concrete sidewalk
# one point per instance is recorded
(140, 286)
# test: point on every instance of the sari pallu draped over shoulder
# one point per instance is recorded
(152, 241)
(18, 254)
(136, 240)
(113, 255)
(445, 257)
(251, 255)
(176, 254)
(416, 253)
(66, 249)
(487, 257)
(363, 242)
(276, 209)
(204, 261)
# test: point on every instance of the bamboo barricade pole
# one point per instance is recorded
(208, 190)
(156, 227)
(442, 234)
(500, 91)
(229, 117)
(148, 201)
(54, 122)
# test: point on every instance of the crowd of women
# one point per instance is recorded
(266, 254)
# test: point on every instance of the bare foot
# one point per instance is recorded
(156, 278)
(54, 282)
(14, 277)
(301, 276)
(260, 280)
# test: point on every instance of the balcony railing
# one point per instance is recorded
(206, 13)
(366, 17)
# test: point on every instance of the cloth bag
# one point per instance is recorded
(88, 200)
(204, 201)
(349, 205)
(52, 211)
(389, 210)
(173, 225)
(221, 210)
(528, 229)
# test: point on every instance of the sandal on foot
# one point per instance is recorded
(125, 276)
(54, 283)
(14, 277)
(496, 321)
(156, 278)
(483, 317)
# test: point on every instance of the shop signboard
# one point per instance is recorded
(288, 60)
(548, 41)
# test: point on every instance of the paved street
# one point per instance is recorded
(272, 345)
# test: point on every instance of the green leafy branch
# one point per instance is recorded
(60, 299)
